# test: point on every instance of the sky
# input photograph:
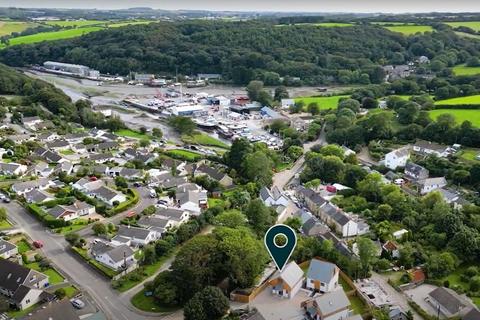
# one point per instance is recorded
(387, 6)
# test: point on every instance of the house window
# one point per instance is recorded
(28, 301)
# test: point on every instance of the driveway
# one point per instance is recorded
(273, 307)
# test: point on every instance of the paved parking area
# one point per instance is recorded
(273, 307)
(419, 294)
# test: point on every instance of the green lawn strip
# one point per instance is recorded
(132, 134)
(23, 246)
(475, 99)
(184, 155)
(460, 115)
(71, 291)
(357, 305)
(346, 287)
(54, 35)
(284, 166)
(67, 152)
(148, 271)
(476, 300)
(53, 276)
(324, 102)
(149, 304)
(409, 29)
(204, 140)
(77, 225)
(4, 224)
(467, 35)
(128, 23)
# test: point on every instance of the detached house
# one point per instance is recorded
(330, 306)
(20, 188)
(134, 236)
(38, 196)
(397, 158)
(426, 148)
(288, 282)
(322, 276)
(392, 248)
(273, 197)
(108, 195)
(191, 197)
(12, 169)
(42, 169)
(7, 249)
(72, 212)
(113, 257)
(23, 286)
(431, 184)
(214, 174)
(415, 172)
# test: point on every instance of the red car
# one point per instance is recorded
(38, 244)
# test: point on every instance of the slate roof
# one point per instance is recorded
(105, 193)
(157, 222)
(117, 253)
(415, 169)
(332, 301)
(12, 275)
(447, 300)
(473, 314)
(6, 246)
(57, 144)
(172, 213)
(321, 270)
(211, 172)
(56, 310)
(20, 293)
(37, 195)
(433, 181)
(133, 232)
(430, 145)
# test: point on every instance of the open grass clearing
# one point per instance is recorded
(49, 36)
(409, 29)
(9, 27)
(132, 134)
(71, 291)
(129, 23)
(149, 304)
(460, 115)
(183, 155)
(462, 70)
(460, 100)
(204, 140)
(474, 25)
(324, 102)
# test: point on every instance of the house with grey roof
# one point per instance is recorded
(71, 212)
(54, 310)
(23, 286)
(118, 258)
(431, 184)
(453, 198)
(12, 169)
(58, 145)
(20, 188)
(288, 282)
(7, 249)
(42, 169)
(397, 158)
(107, 195)
(38, 196)
(191, 197)
(415, 172)
(273, 197)
(331, 305)
(156, 223)
(322, 276)
(134, 236)
(471, 314)
(214, 174)
(447, 301)
(427, 148)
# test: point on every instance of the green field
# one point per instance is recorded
(76, 23)
(8, 27)
(469, 154)
(323, 102)
(474, 25)
(383, 23)
(409, 29)
(184, 154)
(467, 35)
(460, 115)
(460, 100)
(333, 24)
(463, 70)
(49, 36)
(204, 140)
(128, 23)
(131, 134)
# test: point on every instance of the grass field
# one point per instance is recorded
(144, 303)
(8, 27)
(463, 70)
(469, 154)
(204, 140)
(467, 35)
(184, 154)
(128, 23)
(323, 102)
(409, 29)
(333, 24)
(383, 23)
(76, 23)
(460, 115)
(460, 100)
(49, 36)
(474, 25)
(131, 134)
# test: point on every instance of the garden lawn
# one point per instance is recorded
(462, 70)
(454, 278)
(23, 246)
(131, 134)
(8, 27)
(460, 115)
(4, 224)
(184, 154)
(54, 35)
(67, 152)
(409, 29)
(77, 225)
(324, 102)
(53, 276)
(71, 291)
(204, 140)
(357, 305)
(460, 100)
(148, 304)
(474, 25)
(213, 202)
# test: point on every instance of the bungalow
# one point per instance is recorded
(159, 224)
(191, 197)
(42, 169)
(172, 214)
(214, 174)
(288, 282)
(58, 145)
(31, 122)
(446, 301)
(115, 257)
(397, 158)
(76, 138)
(329, 306)
(415, 172)
(86, 185)
(21, 285)
(322, 276)
(127, 173)
(48, 136)
(426, 148)
(53, 157)
(273, 197)
(12, 169)
(453, 198)
(71, 212)
(20, 188)
(108, 195)
(101, 157)
(66, 167)
(38, 196)
(134, 236)
(54, 310)
(7, 249)
(431, 184)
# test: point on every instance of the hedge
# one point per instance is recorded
(134, 198)
(45, 218)
(457, 106)
(101, 268)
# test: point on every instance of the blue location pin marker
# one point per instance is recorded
(279, 250)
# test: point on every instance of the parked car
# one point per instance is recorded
(153, 193)
(38, 244)
(77, 303)
(6, 200)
